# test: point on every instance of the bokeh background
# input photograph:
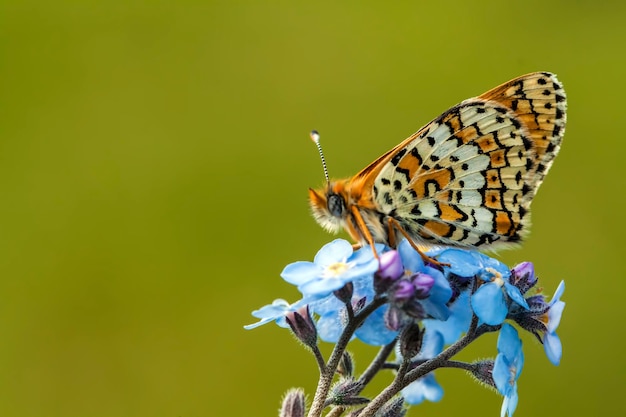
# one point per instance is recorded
(154, 166)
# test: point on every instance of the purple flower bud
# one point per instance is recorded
(423, 283)
(393, 318)
(523, 276)
(302, 325)
(482, 371)
(344, 294)
(390, 266)
(402, 291)
(293, 403)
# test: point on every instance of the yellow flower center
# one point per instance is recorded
(336, 269)
(497, 277)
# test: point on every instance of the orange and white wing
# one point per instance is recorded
(467, 178)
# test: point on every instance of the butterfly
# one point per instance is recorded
(466, 179)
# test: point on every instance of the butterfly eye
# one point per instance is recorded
(335, 205)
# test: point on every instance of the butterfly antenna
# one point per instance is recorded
(315, 137)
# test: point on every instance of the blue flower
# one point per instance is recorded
(508, 367)
(551, 342)
(334, 265)
(427, 387)
(542, 319)
(489, 301)
(275, 312)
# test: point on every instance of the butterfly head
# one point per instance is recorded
(329, 206)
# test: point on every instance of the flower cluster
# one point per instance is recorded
(423, 308)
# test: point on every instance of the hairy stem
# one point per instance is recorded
(318, 358)
(327, 373)
(336, 412)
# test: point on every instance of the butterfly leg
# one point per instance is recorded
(364, 231)
(393, 225)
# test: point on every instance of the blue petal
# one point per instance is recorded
(362, 255)
(488, 262)
(373, 330)
(515, 295)
(509, 343)
(278, 307)
(363, 287)
(425, 388)
(336, 251)
(462, 263)
(411, 260)
(273, 312)
(321, 286)
(501, 374)
(366, 269)
(329, 327)
(553, 347)
(457, 323)
(489, 305)
(554, 315)
(325, 305)
(509, 404)
(439, 311)
(441, 291)
(258, 323)
(558, 293)
(300, 272)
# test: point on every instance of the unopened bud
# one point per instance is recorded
(393, 408)
(423, 283)
(523, 276)
(346, 392)
(302, 326)
(390, 266)
(482, 372)
(393, 318)
(346, 365)
(401, 291)
(390, 270)
(344, 294)
(411, 340)
(293, 403)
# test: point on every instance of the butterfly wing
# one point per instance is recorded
(467, 178)
(539, 101)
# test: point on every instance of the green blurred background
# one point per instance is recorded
(154, 166)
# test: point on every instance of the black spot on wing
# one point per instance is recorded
(404, 172)
(397, 157)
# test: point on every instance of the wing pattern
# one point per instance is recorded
(468, 177)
